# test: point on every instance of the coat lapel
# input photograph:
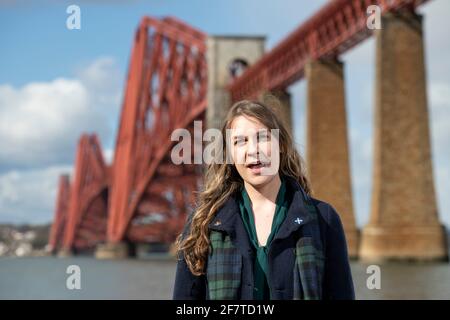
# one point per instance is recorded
(309, 257)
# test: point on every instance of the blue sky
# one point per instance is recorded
(56, 83)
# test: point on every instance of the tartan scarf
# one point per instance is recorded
(224, 264)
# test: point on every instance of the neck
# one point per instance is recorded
(268, 191)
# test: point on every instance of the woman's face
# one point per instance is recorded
(254, 150)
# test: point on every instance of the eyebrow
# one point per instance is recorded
(238, 137)
(259, 132)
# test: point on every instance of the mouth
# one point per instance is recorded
(256, 165)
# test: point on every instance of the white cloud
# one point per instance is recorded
(29, 196)
(108, 155)
(40, 123)
(439, 94)
(102, 79)
(436, 26)
(442, 182)
(439, 101)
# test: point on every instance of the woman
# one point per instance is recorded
(256, 232)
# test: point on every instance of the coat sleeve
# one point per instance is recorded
(338, 282)
(188, 286)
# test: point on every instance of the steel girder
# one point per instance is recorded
(165, 90)
(61, 213)
(87, 212)
(337, 27)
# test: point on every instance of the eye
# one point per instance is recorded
(263, 136)
(239, 141)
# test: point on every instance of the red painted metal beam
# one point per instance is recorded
(165, 90)
(61, 212)
(334, 29)
(88, 199)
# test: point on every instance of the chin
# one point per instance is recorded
(258, 180)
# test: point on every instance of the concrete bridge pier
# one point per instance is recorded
(64, 253)
(327, 154)
(283, 107)
(119, 250)
(404, 220)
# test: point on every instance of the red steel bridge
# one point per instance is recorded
(143, 197)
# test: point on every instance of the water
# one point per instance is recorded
(45, 278)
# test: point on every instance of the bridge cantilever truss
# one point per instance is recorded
(87, 208)
(166, 90)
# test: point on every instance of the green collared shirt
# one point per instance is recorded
(260, 270)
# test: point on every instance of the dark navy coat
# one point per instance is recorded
(337, 278)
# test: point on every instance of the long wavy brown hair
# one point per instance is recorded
(222, 180)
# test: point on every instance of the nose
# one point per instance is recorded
(252, 148)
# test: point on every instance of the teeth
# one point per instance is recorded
(259, 164)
